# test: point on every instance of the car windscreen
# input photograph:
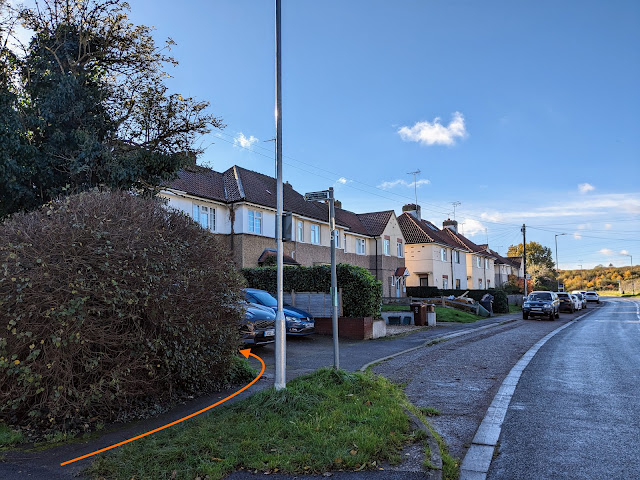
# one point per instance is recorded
(540, 296)
(563, 295)
(264, 298)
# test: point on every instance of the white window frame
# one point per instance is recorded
(197, 212)
(361, 246)
(478, 262)
(479, 284)
(345, 242)
(315, 234)
(443, 254)
(486, 263)
(456, 256)
(400, 248)
(254, 220)
(337, 238)
(386, 247)
(300, 231)
(445, 283)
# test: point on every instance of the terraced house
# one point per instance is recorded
(240, 205)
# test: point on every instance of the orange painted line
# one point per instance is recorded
(246, 353)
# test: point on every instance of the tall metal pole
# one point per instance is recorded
(524, 256)
(281, 345)
(558, 266)
(334, 280)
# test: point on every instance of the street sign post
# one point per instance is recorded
(325, 195)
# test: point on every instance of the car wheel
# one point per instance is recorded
(525, 316)
(552, 316)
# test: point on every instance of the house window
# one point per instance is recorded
(360, 246)
(445, 282)
(344, 238)
(486, 263)
(443, 255)
(255, 221)
(457, 284)
(205, 216)
(300, 231)
(386, 247)
(480, 283)
(478, 262)
(456, 256)
(400, 249)
(337, 238)
(424, 281)
(488, 283)
(315, 234)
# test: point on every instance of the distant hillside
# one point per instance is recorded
(601, 278)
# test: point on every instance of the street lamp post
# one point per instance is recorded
(557, 272)
(633, 283)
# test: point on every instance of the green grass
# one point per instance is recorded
(452, 315)
(328, 420)
(8, 437)
(395, 308)
(515, 309)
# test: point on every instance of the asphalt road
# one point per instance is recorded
(575, 413)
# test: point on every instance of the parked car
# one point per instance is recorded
(566, 302)
(582, 298)
(592, 297)
(576, 301)
(298, 322)
(541, 304)
(258, 327)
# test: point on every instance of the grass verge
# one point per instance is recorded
(329, 420)
(453, 315)
(395, 308)
(515, 309)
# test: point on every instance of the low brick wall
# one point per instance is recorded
(360, 328)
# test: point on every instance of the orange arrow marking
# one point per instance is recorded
(246, 354)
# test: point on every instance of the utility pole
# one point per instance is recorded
(524, 256)
(281, 341)
(557, 266)
(415, 184)
(580, 275)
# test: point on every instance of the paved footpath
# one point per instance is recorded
(304, 355)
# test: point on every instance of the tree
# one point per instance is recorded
(536, 254)
(85, 104)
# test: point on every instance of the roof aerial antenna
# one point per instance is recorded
(415, 184)
(455, 204)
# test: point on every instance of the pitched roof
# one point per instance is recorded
(423, 231)
(239, 184)
(375, 222)
(466, 243)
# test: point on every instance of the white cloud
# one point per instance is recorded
(585, 187)
(342, 181)
(606, 251)
(244, 142)
(404, 183)
(607, 226)
(434, 133)
(577, 236)
(624, 252)
(470, 227)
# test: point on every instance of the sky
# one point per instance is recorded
(523, 112)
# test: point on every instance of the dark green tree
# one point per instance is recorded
(84, 104)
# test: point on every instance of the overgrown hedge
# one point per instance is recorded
(500, 299)
(110, 304)
(361, 292)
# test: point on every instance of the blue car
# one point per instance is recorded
(298, 322)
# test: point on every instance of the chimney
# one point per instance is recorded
(337, 203)
(450, 224)
(412, 209)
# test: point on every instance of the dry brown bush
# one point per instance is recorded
(110, 304)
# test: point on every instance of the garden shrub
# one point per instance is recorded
(361, 292)
(110, 305)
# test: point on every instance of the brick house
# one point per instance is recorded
(240, 205)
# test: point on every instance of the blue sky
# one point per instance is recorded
(524, 112)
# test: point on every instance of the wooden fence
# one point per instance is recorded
(317, 304)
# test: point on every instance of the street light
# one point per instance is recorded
(558, 273)
(633, 283)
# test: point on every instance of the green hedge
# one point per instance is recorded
(361, 292)
(500, 299)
